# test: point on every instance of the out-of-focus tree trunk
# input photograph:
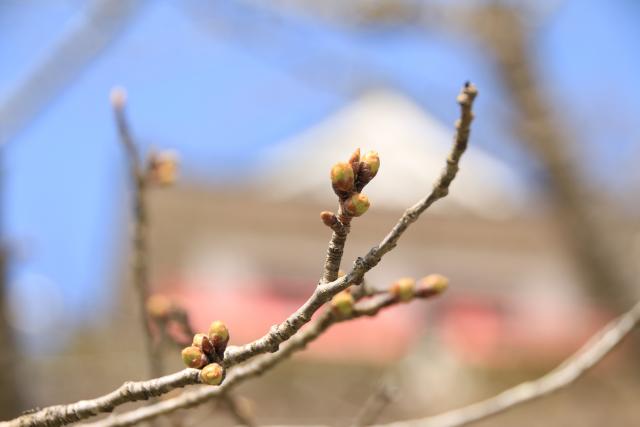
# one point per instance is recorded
(10, 392)
(546, 137)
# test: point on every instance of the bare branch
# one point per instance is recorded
(64, 414)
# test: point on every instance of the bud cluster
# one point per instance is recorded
(349, 178)
(207, 352)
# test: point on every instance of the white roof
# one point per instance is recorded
(413, 147)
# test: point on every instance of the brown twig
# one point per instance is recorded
(140, 261)
(64, 414)
(335, 250)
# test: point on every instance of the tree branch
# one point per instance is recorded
(322, 294)
(58, 415)
(255, 368)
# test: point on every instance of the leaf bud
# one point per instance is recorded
(329, 218)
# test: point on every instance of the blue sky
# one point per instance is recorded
(222, 84)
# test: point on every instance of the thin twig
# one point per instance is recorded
(566, 373)
(382, 396)
(58, 415)
(335, 250)
(140, 262)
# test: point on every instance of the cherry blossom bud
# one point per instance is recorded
(342, 177)
(403, 289)
(212, 374)
(432, 284)
(342, 303)
(193, 357)
(203, 342)
(219, 336)
(372, 160)
(356, 205)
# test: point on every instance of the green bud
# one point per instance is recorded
(212, 374)
(193, 357)
(203, 342)
(342, 177)
(356, 205)
(403, 289)
(372, 160)
(342, 303)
